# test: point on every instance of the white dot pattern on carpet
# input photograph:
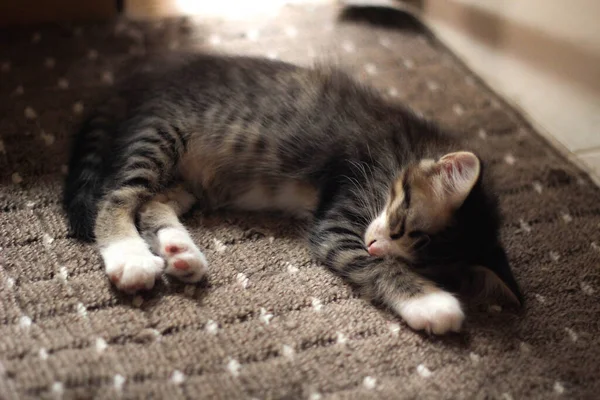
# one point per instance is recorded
(101, 345)
(219, 246)
(82, 310)
(317, 305)
(118, 382)
(288, 351)
(43, 354)
(25, 322)
(177, 377)
(572, 335)
(509, 159)
(242, 280)
(423, 371)
(369, 382)
(234, 367)
(212, 327)
(341, 338)
(58, 390)
(525, 227)
(265, 316)
(30, 113)
(587, 288)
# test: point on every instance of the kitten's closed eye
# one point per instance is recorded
(421, 239)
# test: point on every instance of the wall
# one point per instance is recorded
(541, 55)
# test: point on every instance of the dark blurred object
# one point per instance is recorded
(384, 17)
(25, 12)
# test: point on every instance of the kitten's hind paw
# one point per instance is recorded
(184, 260)
(436, 312)
(131, 266)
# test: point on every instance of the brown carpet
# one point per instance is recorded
(271, 323)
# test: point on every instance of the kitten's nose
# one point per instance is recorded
(373, 248)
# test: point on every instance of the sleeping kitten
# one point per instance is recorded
(389, 195)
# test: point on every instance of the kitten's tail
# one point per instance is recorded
(87, 168)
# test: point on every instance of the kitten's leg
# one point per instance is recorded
(338, 243)
(170, 239)
(129, 263)
(146, 160)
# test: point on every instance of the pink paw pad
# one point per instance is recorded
(181, 265)
(173, 249)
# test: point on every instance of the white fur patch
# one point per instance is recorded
(437, 312)
(131, 265)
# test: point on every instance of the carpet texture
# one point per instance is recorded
(271, 323)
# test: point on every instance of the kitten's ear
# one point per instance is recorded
(455, 175)
(495, 278)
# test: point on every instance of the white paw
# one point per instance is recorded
(438, 312)
(184, 260)
(130, 265)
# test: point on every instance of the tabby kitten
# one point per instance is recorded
(389, 195)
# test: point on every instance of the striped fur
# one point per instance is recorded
(252, 133)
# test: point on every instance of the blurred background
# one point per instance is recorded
(542, 56)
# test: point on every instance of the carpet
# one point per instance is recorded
(271, 323)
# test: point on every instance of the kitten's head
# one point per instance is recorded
(439, 215)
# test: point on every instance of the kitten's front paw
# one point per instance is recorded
(438, 312)
(131, 266)
(184, 260)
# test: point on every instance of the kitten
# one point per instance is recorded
(390, 196)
